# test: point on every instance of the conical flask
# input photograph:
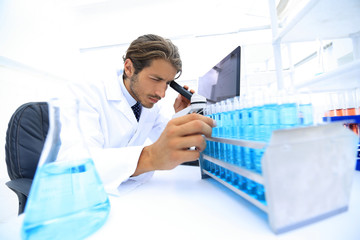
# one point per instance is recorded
(67, 199)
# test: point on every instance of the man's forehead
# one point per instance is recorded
(162, 70)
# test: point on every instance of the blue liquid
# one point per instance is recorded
(271, 120)
(251, 187)
(215, 133)
(242, 183)
(257, 162)
(67, 201)
(259, 135)
(306, 114)
(260, 192)
(206, 165)
(288, 115)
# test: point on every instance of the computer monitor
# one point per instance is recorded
(223, 80)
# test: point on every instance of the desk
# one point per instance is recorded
(177, 204)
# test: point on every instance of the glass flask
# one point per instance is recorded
(67, 199)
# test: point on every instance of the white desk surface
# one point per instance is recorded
(178, 204)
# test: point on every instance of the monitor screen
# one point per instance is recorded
(223, 80)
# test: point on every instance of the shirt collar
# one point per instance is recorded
(127, 95)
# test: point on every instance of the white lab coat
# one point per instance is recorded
(114, 137)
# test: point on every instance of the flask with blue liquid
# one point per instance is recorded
(67, 199)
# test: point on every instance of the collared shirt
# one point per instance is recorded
(126, 93)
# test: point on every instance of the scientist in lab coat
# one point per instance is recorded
(114, 135)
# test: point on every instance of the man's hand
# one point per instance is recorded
(181, 102)
(173, 146)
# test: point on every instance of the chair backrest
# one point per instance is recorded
(25, 139)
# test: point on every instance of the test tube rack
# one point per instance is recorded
(307, 173)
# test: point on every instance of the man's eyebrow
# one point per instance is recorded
(156, 77)
(160, 78)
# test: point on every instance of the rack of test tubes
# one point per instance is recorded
(295, 172)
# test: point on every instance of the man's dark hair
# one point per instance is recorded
(148, 47)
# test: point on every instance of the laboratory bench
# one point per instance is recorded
(179, 204)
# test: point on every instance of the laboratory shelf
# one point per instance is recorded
(252, 200)
(322, 19)
(306, 175)
(345, 119)
(342, 78)
(239, 170)
(239, 142)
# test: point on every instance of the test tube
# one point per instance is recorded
(352, 108)
(207, 113)
(337, 104)
(249, 152)
(305, 109)
(216, 131)
(288, 113)
(239, 134)
(229, 149)
(222, 122)
(271, 117)
(258, 122)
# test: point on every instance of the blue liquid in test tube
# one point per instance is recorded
(217, 117)
(271, 120)
(306, 114)
(249, 152)
(288, 115)
(259, 135)
(209, 146)
(258, 122)
(260, 192)
(228, 133)
(221, 146)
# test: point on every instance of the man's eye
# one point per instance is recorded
(156, 79)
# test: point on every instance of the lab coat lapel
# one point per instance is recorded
(115, 95)
(124, 108)
(141, 126)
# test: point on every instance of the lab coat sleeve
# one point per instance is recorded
(116, 165)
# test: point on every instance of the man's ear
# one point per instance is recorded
(129, 68)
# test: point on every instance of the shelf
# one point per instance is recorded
(238, 142)
(243, 172)
(346, 119)
(322, 19)
(239, 192)
(342, 78)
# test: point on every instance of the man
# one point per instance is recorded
(116, 136)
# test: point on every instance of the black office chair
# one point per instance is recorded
(25, 139)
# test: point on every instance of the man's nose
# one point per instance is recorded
(160, 91)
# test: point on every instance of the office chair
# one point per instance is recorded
(25, 139)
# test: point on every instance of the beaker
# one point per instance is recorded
(67, 199)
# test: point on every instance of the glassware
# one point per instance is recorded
(305, 109)
(67, 199)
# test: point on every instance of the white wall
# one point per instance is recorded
(38, 34)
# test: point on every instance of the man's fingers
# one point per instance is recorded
(187, 156)
(195, 127)
(191, 117)
(196, 141)
(187, 88)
